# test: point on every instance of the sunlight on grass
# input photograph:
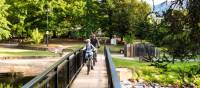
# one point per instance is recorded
(12, 50)
(171, 75)
(22, 52)
(113, 48)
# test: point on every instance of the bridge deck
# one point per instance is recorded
(97, 77)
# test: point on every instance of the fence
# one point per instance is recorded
(138, 50)
(59, 75)
(113, 80)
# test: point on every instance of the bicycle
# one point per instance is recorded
(94, 57)
(89, 62)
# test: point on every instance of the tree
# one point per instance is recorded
(91, 17)
(179, 31)
(120, 19)
(126, 18)
(27, 15)
(4, 28)
(138, 18)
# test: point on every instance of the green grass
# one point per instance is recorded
(28, 53)
(22, 52)
(128, 63)
(4, 85)
(113, 48)
(75, 46)
(171, 75)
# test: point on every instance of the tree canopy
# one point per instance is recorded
(179, 31)
(4, 24)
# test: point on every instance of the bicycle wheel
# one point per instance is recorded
(88, 66)
(95, 57)
(93, 61)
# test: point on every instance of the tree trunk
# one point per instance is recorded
(173, 60)
(54, 34)
(121, 38)
(110, 36)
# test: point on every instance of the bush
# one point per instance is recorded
(36, 36)
(177, 74)
(129, 38)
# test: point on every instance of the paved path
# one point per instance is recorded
(97, 77)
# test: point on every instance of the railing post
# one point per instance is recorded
(78, 60)
(56, 78)
(113, 81)
(81, 58)
(50, 77)
(68, 71)
(75, 58)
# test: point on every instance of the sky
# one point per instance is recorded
(155, 1)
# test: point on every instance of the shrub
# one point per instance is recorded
(197, 82)
(129, 38)
(36, 36)
(4, 34)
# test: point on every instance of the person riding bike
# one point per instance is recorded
(89, 48)
(96, 44)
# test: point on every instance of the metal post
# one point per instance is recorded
(56, 78)
(75, 58)
(68, 70)
(47, 28)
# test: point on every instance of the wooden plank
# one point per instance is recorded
(97, 77)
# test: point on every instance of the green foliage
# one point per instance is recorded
(129, 38)
(138, 21)
(114, 17)
(175, 74)
(4, 34)
(178, 31)
(27, 15)
(120, 19)
(4, 29)
(4, 85)
(91, 17)
(125, 17)
(36, 36)
(187, 72)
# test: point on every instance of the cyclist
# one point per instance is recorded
(89, 48)
(96, 44)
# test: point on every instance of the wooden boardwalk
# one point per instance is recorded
(97, 77)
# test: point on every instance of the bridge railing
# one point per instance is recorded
(113, 80)
(59, 75)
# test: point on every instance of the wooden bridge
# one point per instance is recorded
(70, 72)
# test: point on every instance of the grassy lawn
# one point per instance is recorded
(22, 52)
(113, 48)
(174, 74)
(76, 46)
